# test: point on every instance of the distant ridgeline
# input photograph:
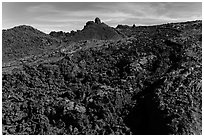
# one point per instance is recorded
(92, 30)
(24, 41)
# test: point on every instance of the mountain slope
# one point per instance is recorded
(22, 41)
(92, 30)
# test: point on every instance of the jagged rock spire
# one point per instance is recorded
(97, 20)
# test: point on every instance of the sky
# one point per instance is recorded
(67, 16)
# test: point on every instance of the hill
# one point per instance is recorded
(147, 83)
(92, 30)
(22, 41)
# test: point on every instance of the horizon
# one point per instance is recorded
(68, 16)
(102, 21)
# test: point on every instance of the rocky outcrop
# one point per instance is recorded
(97, 20)
(92, 30)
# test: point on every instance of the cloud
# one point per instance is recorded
(63, 11)
(74, 15)
(177, 10)
(42, 8)
(81, 16)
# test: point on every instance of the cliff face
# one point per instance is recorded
(147, 83)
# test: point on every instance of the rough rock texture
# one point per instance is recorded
(92, 30)
(97, 20)
(22, 41)
(148, 83)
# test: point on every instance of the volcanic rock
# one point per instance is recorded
(23, 40)
(97, 20)
(149, 83)
(92, 30)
